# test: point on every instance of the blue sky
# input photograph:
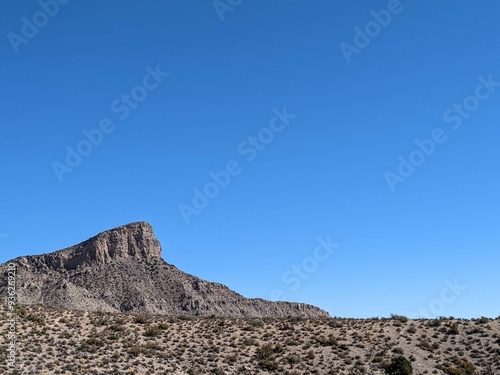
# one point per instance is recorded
(176, 88)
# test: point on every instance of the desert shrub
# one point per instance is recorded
(249, 328)
(453, 329)
(163, 326)
(92, 344)
(265, 351)
(310, 354)
(399, 366)
(20, 310)
(400, 318)
(268, 364)
(136, 350)
(152, 331)
(36, 319)
(327, 341)
(116, 328)
(452, 370)
(292, 359)
(141, 319)
(249, 342)
(434, 323)
(412, 329)
(463, 368)
(426, 345)
(256, 323)
(278, 348)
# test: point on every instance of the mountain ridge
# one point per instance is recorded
(122, 269)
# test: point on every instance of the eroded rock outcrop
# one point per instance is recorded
(122, 270)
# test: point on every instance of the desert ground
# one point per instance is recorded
(61, 341)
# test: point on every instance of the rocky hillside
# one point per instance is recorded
(122, 270)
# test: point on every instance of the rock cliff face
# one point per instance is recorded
(122, 270)
(135, 241)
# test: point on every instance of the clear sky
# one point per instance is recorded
(250, 132)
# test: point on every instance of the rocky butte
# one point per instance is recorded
(122, 270)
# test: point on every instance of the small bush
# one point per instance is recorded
(399, 366)
(292, 359)
(141, 319)
(453, 329)
(463, 368)
(136, 350)
(152, 331)
(412, 329)
(268, 364)
(400, 318)
(310, 354)
(265, 351)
